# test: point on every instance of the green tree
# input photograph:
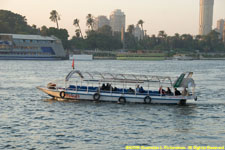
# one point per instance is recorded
(15, 23)
(130, 29)
(44, 31)
(106, 30)
(212, 42)
(90, 21)
(54, 16)
(62, 34)
(76, 24)
(77, 31)
(163, 41)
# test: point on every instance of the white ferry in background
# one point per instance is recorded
(122, 88)
(31, 47)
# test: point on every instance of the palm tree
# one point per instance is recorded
(162, 34)
(76, 24)
(55, 17)
(77, 31)
(141, 22)
(90, 21)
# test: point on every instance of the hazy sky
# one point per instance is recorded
(172, 16)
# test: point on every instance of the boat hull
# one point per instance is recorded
(113, 97)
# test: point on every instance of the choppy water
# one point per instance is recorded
(28, 120)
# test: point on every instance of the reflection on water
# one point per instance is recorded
(31, 120)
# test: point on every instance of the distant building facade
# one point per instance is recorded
(100, 21)
(117, 20)
(224, 34)
(220, 27)
(138, 33)
(206, 16)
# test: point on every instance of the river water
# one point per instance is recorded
(29, 120)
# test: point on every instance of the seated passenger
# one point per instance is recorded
(130, 90)
(168, 92)
(115, 89)
(141, 90)
(177, 92)
(161, 90)
(103, 87)
(108, 87)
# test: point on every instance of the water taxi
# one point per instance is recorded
(123, 88)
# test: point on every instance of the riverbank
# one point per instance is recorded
(153, 56)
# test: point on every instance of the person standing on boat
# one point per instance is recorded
(137, 89)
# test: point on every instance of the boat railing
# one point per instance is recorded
(117, 91)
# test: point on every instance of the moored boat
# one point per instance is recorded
(122, 88)
(31, 47)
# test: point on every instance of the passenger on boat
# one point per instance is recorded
(108, 87)
(137, 89)
(177, 92)
(185, 92)
(115, 89)
(103, 87)
(141, 90)
(161, 90)
(130, 90)
(168, 92)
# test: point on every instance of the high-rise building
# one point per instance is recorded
(138, 33)
(206, 16)
(100, 21)
(117, 20)
(220, 27)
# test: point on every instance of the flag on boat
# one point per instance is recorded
(73, 64)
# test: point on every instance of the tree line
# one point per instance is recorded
(105, 39)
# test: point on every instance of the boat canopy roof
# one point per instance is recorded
(110, 77)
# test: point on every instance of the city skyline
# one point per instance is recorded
(172, 16)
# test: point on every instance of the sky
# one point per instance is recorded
(172, 16)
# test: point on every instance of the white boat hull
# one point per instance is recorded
(115, 97)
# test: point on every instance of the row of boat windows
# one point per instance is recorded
(32, 41)
(25, 53)
(26, 47)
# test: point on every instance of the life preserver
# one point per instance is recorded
(62, 94)
(147, 100)
(96, 96)
(122, 100)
